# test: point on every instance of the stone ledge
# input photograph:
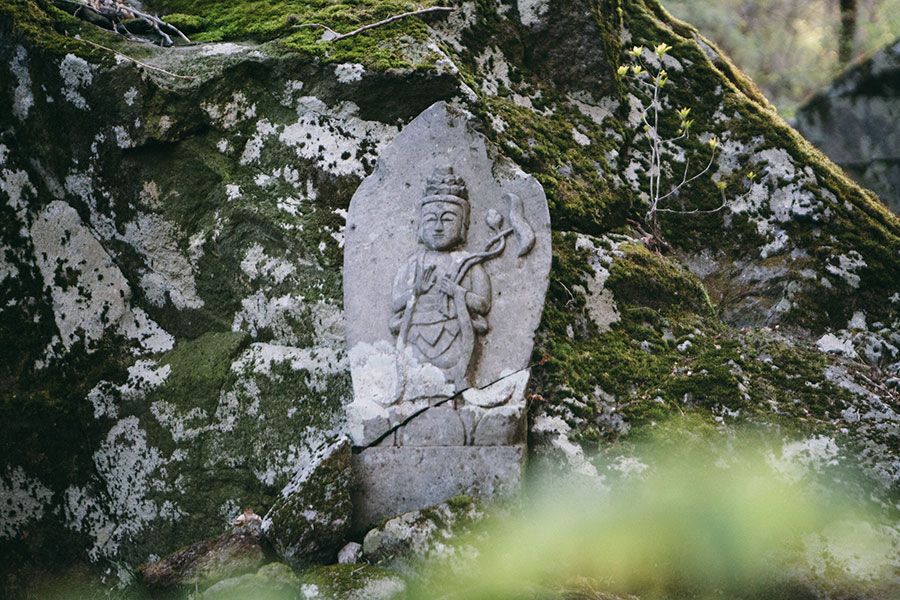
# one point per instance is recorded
(389, 481)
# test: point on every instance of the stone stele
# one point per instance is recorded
(446, 264)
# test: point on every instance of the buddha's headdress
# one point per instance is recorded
(444, 186)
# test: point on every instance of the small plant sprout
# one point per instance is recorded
(653, 79)
(661, 78)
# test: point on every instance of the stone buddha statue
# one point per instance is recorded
(440, 295)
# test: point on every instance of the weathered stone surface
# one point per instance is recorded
(206, 562)
(501, 426)
(275, 581)
(232, 190)
(351, 582)
(391, 481)
(438, 426)
(432, 534)
(308, 522)
(445, 270)
(350, 553)
(381, 236)
(854, 121)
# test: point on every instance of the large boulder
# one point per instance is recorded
(854, 121)
(171, 338)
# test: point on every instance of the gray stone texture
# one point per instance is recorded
(381, 235)
(856, 122)
(449, 434)
(308, 522)
(435, 536)
(392, 481)
(350, 553)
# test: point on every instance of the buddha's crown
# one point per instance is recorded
(444, 186)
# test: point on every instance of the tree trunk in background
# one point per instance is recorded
(847, 39)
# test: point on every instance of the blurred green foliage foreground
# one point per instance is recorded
(684, 520)
(684, 515)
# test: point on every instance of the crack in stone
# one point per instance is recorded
(410, 418)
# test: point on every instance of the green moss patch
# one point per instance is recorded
(262, 21)
(342, 581)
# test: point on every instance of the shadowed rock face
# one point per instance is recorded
(854, 121)
(171, 318)
(206, 562)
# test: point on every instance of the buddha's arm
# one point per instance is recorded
(478, 295)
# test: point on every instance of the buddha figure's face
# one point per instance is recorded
(442, 225)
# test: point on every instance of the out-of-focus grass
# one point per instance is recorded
(688, 526)
(694, 519)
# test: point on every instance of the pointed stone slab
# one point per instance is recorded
(381, 234)
(442, 443)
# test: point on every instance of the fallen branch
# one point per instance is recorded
(137, 62)
(339, 36)
(118, 12)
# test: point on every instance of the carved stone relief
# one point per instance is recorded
(446, 262)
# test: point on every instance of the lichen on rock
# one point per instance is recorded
(171, 338)
(308, 521)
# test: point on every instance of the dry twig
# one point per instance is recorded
(137, 62)
(339, 36)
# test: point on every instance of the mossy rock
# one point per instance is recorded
(308, 521)
(420, 539)
(274, 581)
(219, 203)
(352, 582)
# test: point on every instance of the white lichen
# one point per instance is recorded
(18, 189)
(132, 473)
(76, 73)
(231, 113)
(166, 272)
(143, 376)
(804, 457)
(277, 315)
(601, 304)
(257, 264)
(232, 191)
(23, 99)
(847, 266)
(328, 136)
(597, 111)
(23, 499)
(580, 138)
(123, 139)
(531, 12)
(349, 72)
(90, 294)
